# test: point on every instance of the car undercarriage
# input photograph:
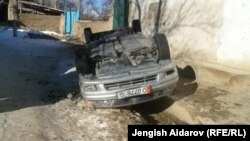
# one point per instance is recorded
(124, 67)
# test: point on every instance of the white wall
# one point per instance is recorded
(234, 35)
(214, 33)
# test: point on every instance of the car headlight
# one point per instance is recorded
(90, 88)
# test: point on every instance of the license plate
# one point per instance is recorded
(134, 92)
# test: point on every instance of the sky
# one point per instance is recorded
(99, 2)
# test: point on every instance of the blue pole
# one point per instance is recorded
(70, 18)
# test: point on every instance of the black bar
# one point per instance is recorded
(194, 132)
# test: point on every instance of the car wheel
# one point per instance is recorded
(81, 61)
(163, 47)
(88, 34)
(136, 26)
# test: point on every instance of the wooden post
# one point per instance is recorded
(14, 29)
(20, 10)
(17, 6)
(15, 17)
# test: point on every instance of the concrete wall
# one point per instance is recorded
(234, 35)
(96, 26)
(214, 33)
(42, 22)
(11, 10)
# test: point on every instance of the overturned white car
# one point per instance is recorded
(123, 67)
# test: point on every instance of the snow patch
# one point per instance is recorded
(22, 42)
(70, 70)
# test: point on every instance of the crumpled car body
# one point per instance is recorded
(124, 68)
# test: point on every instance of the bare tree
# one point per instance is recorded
(90, 9)
(94, 10)
(49, 3)
(106, 10)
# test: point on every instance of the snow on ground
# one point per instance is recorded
(22, 35)
(52, 33)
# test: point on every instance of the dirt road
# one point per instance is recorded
(35, 80)
(30, 82)
(37, 74)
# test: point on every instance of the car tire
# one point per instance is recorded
(82, 61)
(88, 34)
(136, 26)
(163, 47)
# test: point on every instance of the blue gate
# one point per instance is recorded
(72, 15)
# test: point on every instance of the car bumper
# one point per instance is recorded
(137, 99)
(104, 97)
